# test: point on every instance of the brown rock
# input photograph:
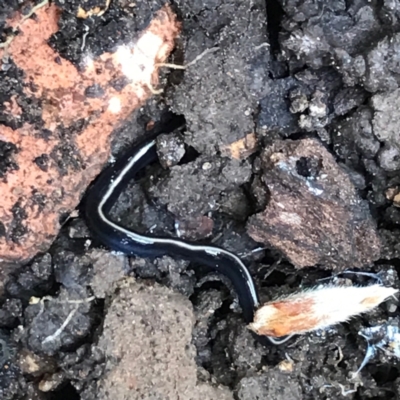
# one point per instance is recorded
(147, 343)
(32, 364)
(47, 168)
(196, 227)
(314, 215)
(242, 148)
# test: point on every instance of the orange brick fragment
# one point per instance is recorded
(49, 166)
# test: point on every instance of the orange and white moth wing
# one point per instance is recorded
(317, 309)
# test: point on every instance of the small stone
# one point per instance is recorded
(317, 108)
(170, 149)
(314, 214)
(389, 158)
(242, 148)
(286, 366)
(299, 101)
(348, 98)
(206, 166)
(108, 268)
(392, 192)
(35, 365)
(52, 382)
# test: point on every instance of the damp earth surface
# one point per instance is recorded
(275, 94)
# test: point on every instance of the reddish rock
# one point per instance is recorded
(314, 214)
(46, 167)
(196, 227)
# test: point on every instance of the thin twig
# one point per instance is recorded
(176, 66)
(260, 46)
(33, 10)
(194, 61)
(61, 328)
(35, 300)
(8, 41)
(10, 38)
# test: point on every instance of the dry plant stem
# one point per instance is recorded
(5, 44)
(273, 267)
(24, 18)
(33, 10)
(61, 328)
(251, 252)
(317, 308)
(49, 298)
(262, 45)
(339, 360)
(345, 392)
(34, 300)
(194, 61)
(152, 89)
(176, 66)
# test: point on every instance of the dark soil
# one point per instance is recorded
(284, 70)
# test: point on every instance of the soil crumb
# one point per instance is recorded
(146, 340)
